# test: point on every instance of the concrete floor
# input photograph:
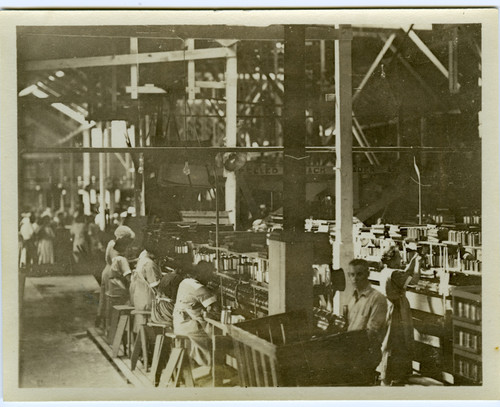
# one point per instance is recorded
(54, 348)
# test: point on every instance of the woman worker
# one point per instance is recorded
(193, 297)
(124, 236)
(163, 312)
(398, 344)
(79, 234)
(46, 237)
(145, 278)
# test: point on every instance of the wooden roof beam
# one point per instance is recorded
(433, 58)
(412, 70)
(180, 32)
(128, 59)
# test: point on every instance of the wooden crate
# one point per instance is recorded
(279, 350)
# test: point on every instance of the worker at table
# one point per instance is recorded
(367, 309)
(193, 297)
(163, 310)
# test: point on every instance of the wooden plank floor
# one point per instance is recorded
(135, 377)
(138, 377)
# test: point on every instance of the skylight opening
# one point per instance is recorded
(39, 93)
(27, 91)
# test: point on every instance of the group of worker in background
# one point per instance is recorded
(46, 239)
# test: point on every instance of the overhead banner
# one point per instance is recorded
(266, 169)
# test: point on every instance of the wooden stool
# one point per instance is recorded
(123, 320)
(141, 343)
(160, 346)
(179, 364)
(110, 302)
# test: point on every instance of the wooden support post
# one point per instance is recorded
(134, 68)
(72, 181)
(294, 131)
(453, 62)
(137, 175)
(231, 113)
(61, 181)
(355, 191)
(143, 135)
(322, 61)
(191, 72)
(109, 174)
(343, 248)
(113, 84)
(107, 143)
(290, 254)
(290, 279)
(86, 158)
(102, 190)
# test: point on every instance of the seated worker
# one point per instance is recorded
(193, 297)
(367, 309)
(118, 282)
(163, 311)
(145, 278)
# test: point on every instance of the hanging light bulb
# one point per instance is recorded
(382, 71)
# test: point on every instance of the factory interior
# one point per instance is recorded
(249, 205)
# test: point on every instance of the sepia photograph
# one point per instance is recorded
(249, 205)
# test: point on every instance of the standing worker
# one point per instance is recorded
(79, 233)
(398, 344)
(27, 244)
(124, 236)
(46, 237)
(367, 309)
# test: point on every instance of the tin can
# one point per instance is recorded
(473, 342)
(466, 310)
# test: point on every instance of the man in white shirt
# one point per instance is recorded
(367, 309)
